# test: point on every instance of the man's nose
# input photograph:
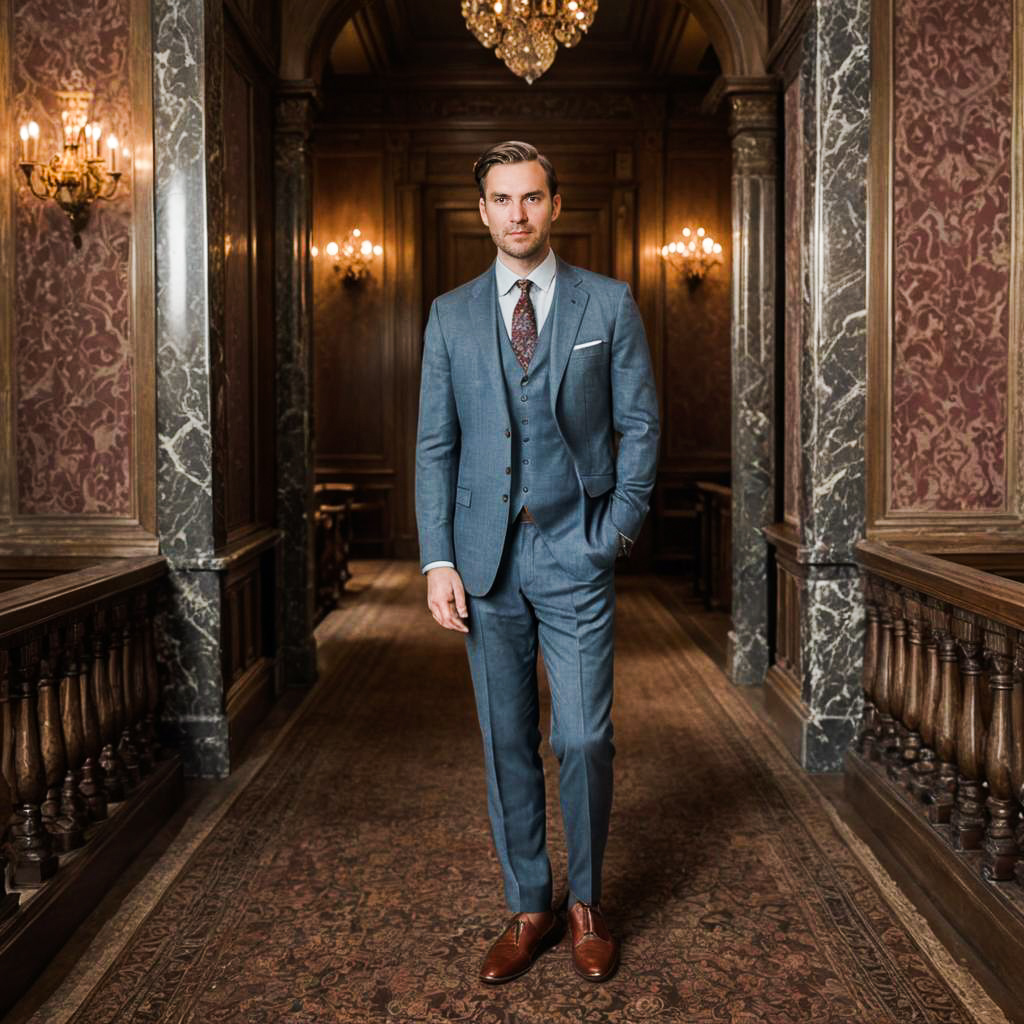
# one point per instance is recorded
(518, 212)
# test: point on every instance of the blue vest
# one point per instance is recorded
(543, 474)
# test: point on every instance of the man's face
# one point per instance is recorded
(518, 208)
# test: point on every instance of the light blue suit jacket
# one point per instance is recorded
(596, 391)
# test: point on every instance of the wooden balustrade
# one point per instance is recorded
(80, 766)
(938, 763)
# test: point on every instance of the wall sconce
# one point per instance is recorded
(694, 254)
(81, 173)
(352, 258)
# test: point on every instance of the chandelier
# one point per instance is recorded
(523, 33)
(80, 174)
(694, 254)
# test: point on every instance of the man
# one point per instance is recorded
(522, 505)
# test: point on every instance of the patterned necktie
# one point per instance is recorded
(524, 326)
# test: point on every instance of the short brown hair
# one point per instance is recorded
(513, 153)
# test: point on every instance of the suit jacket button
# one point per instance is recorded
(504, 497)
(508, 433)
(508, 470)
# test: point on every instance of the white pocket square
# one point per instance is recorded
(587, 344)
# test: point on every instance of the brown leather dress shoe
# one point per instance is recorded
(514, 951)
(595, 953)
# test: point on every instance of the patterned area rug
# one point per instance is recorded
(353, 880)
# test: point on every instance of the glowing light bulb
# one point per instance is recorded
(366, 248)
(718, 248)
(700, 232)
(356, 232)
(314, 251)
(686, 232)
(332, 248)
(708, 245)
(378, 250)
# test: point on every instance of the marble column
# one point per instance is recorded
(294, 332)
(754, 216)
(835, 77)
(187, 52)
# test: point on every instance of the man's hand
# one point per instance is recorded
(446, 598)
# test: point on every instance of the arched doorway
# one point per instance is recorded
(738, 35)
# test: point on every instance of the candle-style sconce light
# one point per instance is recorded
(694, 254)
(84, 171)
(352, 257)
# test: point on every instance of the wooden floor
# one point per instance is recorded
(133, 897)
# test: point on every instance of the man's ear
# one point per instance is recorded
(556, 206)
(483, 212)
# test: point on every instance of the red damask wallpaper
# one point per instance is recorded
(951, 200)
(73, 373)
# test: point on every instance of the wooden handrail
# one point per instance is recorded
(35, 604)
(972, 590)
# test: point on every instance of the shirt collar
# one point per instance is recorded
(542, 275)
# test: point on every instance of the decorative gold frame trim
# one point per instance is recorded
(1003, 527)
(88, 535)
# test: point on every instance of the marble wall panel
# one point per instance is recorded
(794, 295)
(835, 99)
(952, 126)
(73, 378)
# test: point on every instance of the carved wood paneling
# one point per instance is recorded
(247, 430)
(403, 164)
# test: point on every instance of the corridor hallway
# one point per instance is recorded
(348, 876)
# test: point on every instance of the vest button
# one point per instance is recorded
(508, 470)
(504, 497)
(523, 398)
(508, 433)
(525, 490)
(525, 381)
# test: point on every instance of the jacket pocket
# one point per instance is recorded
(463, 496)
(598, 483)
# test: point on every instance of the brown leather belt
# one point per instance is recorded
(524, 516)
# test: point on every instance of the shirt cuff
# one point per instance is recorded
(436, 565)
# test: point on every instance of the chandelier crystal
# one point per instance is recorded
(525, 33)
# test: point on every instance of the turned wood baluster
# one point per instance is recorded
(134, 680)
(6, 725)
(1017, 750)
(883, 719)
(72, 803)
(93, 784)
(152, 602)
(66, 832)
(894, 727)
(113, 770)
(32, 848)
(968, 816)
(121, 694)
(913, 692)
(871, 639)
(1000, 845)
(922, 773)
(8, 901)
(943, 792)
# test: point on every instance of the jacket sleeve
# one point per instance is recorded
(437, 448)
(634, 417)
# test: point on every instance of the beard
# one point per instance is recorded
(520, 248)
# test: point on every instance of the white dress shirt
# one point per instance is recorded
(542, 295)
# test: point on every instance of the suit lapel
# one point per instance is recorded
(483, 315)
(570, 303)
